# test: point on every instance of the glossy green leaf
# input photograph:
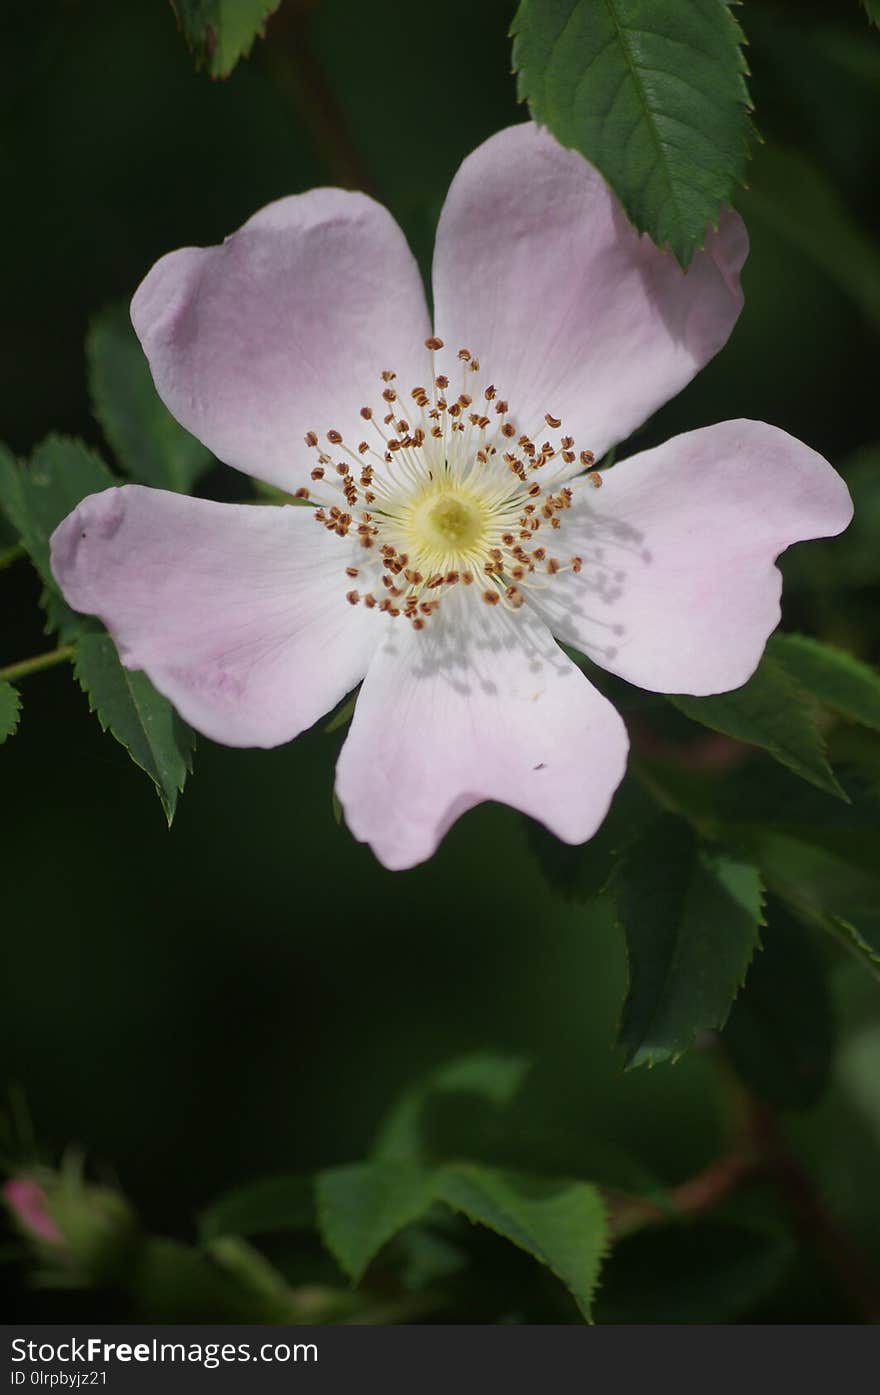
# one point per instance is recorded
(37, 496)
(561, 1223)
(772, 711)
(453, 1109)
(780, 1031)
(692, 916)
(10, 710)
(127, 705)
(219, 32)
(260, 1208)
(363, 1205)
(149, 444)
(653, 94)
(835, 678)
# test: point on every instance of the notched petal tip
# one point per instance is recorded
(74, 543)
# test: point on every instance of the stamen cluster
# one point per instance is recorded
(442, 492)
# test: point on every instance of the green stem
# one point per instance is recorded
(8, 555)
(13, 672)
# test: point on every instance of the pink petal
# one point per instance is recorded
(237, 613)
(28, 1202)
(478, 705)
(570, 312)
(284, 329)
(678, 591)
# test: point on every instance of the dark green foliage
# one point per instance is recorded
(692, 916)
(653, 94)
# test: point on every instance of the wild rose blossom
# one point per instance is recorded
(454, 530)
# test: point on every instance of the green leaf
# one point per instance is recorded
(143, 721)
(652, 93)
(452, 1109)
(149, 444)
(772, 711)
(691, 915)
(834, 677)
(259, 1208)
(363, 1205)
(561, 1223)
(36, 497)
(219, 32)
(802, 206)
(584, 871)
(872, 10)
(10, 709)
(780, 1032)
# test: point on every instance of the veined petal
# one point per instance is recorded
(284, 329)
(479, 705)
(237, 613)
(678, 592)
(537, 271)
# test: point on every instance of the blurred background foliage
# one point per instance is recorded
(248, 995)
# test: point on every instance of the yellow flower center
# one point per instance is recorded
(445, 525)
(441, 493)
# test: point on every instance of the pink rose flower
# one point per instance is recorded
(455, 531)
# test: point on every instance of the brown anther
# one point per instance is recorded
(389, 395)
(595, 480)
(367, 413)
(474, 365)
(587, 457)
(490, 392)
(508, 539)
(491, 597)
(434, 343)
(369, 600)
(352, 597)
(351, 571)
(442, 382)
(451, 578)
(508, 429)
(418, 624)
(552, 566)
(567, 442)
(335, 438)
(311, 438)
(555, 422)
(467, 578)
(317, 473)
(576, 564)
(388, 376)
(534, 490)
(342, 469)
(301, 494)
(464, 355)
